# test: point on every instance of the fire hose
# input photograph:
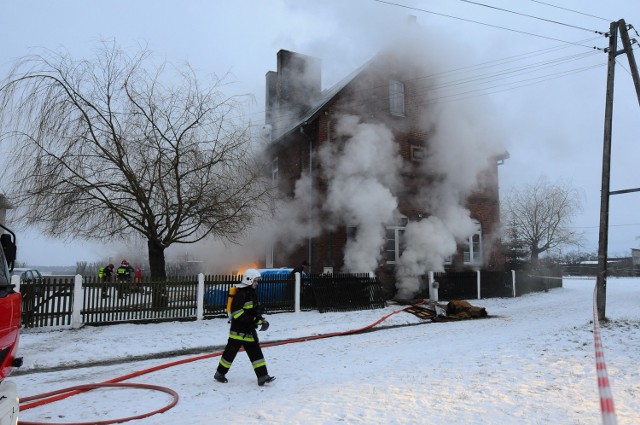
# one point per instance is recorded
(50, 397)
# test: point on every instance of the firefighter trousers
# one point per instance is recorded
(253, 351)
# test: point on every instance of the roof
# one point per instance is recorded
(326, 97)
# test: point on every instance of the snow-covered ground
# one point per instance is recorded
(531, 362)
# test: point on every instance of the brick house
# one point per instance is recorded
(385, 99)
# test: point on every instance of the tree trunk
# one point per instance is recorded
(156, 260)
(159, 300)
(534, 258)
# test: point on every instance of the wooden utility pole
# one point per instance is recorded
(601, 279)
(626, 43)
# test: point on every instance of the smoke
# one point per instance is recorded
(427, 244)
(362, 175)
(362, 168)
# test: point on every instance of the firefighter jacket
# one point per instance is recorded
(246, 315)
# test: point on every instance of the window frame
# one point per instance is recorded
(397, 103)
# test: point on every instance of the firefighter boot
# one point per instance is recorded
(264, 379)
(220, 377)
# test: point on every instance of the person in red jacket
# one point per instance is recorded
(246, 317)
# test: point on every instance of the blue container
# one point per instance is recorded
(272, 289)
(216, 297)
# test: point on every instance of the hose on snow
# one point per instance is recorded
(50, 397)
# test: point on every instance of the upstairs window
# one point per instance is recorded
(396, 98)
(417, 153)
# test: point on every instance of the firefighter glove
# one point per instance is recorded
(264, 325)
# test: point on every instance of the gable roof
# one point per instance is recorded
(326, 97)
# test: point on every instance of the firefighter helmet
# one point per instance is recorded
(249, 276)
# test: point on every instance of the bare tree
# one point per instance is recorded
(538, 216)
(118, 147)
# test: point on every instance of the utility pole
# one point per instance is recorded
(601, 279)
(626, 43)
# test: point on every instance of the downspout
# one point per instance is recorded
(310, 212)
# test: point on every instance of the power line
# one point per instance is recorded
(482, 23)
(530, 16)
(571, 10)
(486, 76)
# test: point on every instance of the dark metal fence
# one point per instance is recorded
(494, 284)
(50, 303)
(347, 292)
(457, 285)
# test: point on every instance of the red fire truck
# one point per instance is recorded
(10, 312)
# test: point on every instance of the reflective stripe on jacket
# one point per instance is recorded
(245, 313)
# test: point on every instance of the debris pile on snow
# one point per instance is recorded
(454, 310)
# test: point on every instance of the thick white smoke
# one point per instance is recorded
(362, 175)
(427, 245)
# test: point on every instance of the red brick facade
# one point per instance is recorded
(366, 95)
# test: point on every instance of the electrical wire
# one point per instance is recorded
(529, 16)
(481, 71)
(487, 76)
(476, 22)
(571, 10)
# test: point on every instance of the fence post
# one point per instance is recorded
(513, 282)
(478, 282)
(200, 306)
(78, 301)
(297, 293)
(433, 287)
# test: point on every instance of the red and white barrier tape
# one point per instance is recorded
(606, 397)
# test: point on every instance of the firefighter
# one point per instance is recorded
(124, 278)
(106, 274)
(246, 317)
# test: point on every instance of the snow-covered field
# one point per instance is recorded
(531, 362)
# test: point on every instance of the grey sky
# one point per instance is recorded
(550, 117)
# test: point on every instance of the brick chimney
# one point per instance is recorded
(292, 89)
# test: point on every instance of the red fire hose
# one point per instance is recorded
(53, 396)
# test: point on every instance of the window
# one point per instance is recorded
(417, 153)
(394, 245)
(396, 98)
(473, 249)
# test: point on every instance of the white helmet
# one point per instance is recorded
(249, 276)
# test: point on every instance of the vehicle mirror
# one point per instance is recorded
(9, 248)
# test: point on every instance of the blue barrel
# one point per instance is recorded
(216, 297)
(273, 289)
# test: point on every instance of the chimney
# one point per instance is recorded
(292, 89)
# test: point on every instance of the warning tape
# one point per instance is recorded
(606, 397)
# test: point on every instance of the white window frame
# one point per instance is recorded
(472, 253)
(394, 234)
(396, 98)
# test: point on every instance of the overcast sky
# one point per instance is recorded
(534, 62)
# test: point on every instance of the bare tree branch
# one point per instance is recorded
(113, 147)
(539, 215)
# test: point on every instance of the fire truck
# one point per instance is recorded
(10, 312)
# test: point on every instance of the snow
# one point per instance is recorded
(531, 362)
